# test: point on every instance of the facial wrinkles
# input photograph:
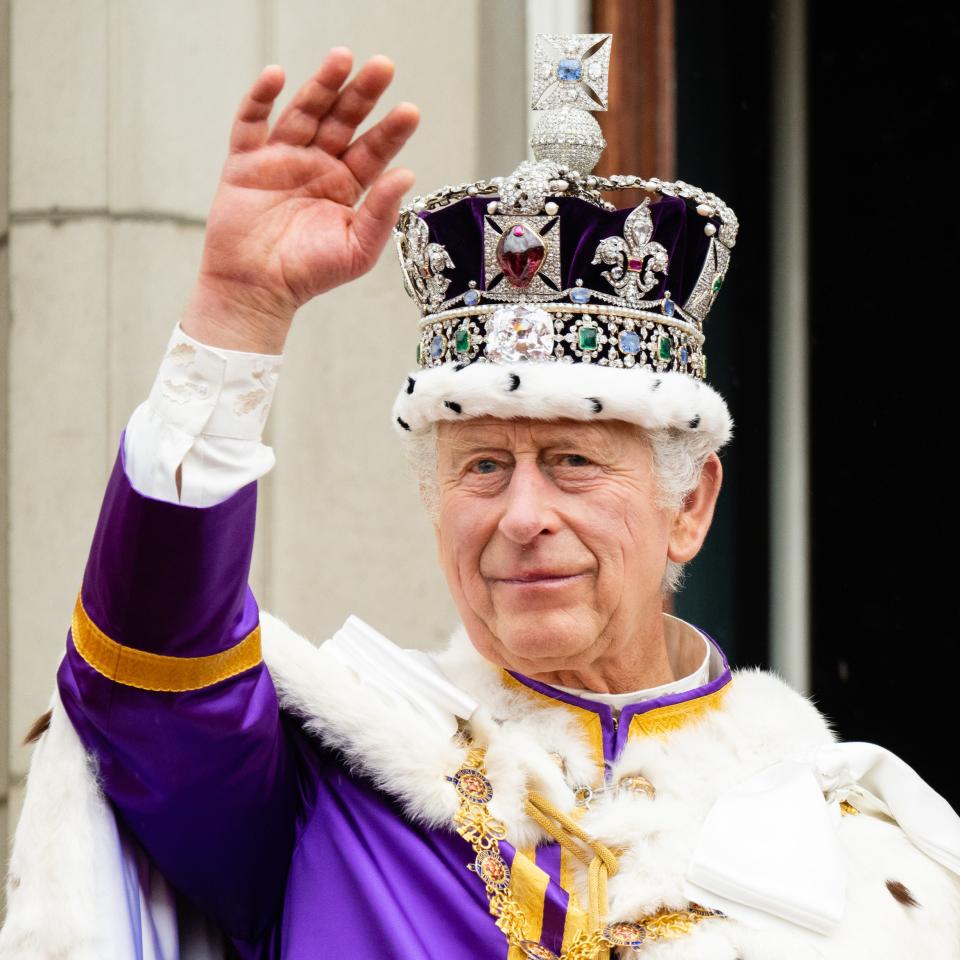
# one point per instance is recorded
(462, 440)
(591, 524)
(620, 619)
(537, 528)
(617, 645)
(470, 579)
(522, 445)
(614, 579)
(516, 447)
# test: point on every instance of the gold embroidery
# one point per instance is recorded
(182, 354)
(656, 722)
(673, 716)
(154, 671)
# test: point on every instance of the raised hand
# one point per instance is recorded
(284, 225)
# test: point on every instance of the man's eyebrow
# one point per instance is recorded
(462, 446)
(594, 441)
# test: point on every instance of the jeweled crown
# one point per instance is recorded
(536, 265)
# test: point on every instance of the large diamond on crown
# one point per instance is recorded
(519, 332)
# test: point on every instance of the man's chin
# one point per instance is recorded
(537, 645)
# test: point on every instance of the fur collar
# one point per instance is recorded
(688, 767)
(57, 888)
(759, 721)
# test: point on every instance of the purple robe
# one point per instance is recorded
(252, 820)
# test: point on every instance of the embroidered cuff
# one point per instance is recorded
(210, 391)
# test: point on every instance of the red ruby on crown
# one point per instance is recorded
(520, 254)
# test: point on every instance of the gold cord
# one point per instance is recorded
(484, 833)
(602, 865)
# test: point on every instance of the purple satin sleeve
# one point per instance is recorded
(207, 779)
(167, 578)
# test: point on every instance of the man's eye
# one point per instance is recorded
(575, 460)
(485, 466)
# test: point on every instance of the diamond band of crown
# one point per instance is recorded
(605, 335)
(537, 265)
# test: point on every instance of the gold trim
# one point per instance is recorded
(656, 722)
(673, 716)
(154, 671)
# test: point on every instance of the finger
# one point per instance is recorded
(367, 157)
(250, 126)
(356, 100)
(297, 124)
(378, 212)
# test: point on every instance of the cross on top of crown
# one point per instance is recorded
(571, 70)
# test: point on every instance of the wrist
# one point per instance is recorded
(243, 320)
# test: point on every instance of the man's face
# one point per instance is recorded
(550, 537)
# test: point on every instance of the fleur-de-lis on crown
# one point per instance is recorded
(634, 259)
(436, 260)
(424, 263)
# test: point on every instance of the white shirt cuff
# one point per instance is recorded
(205, 415)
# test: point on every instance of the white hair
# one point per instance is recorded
(677, 458)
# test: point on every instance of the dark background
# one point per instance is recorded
(882, 102)
(723, 108)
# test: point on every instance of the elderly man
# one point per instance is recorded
(579, 774)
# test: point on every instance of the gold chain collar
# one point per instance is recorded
(484, 832)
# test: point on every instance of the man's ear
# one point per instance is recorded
(693, 520)
(436, 535)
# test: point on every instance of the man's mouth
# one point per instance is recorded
(540, 577)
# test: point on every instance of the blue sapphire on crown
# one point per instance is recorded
(580, 295)
(569, 68)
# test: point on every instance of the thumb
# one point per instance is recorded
(378, 213)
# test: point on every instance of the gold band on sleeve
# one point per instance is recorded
(154, 671)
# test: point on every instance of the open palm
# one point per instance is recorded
(284, 225)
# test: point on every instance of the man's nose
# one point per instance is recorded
(529, 510)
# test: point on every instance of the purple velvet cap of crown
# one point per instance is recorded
(676, 225)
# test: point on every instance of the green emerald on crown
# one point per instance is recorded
(589, 337)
